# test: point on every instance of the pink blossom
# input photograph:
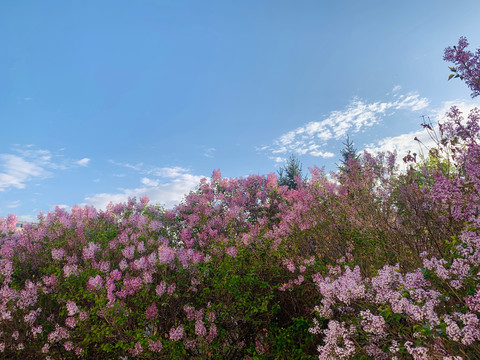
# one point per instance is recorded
(137, 350)
(71, 322)
(171, 289)
(128, 252)
(161, 288)
(166, 254)
(70, 270)
(58, 254)
(232, 251)
(89, 251)
(151, 312)
(155, 346)
(95, 283)
(176, 333)
(72, 308)
(200, 329)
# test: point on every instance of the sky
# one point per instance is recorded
(105, 100)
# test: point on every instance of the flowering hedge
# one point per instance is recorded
(371, 263)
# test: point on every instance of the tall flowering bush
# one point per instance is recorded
(369, 263)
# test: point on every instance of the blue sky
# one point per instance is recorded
(102, 100)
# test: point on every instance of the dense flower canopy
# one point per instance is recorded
(367, 263)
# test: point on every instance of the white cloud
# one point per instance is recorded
(83, 162)
(358, 115)
(402, 144)
(209, 152)
(278, 159)
(406, 142)
(15, 171)
(25, 164)
(27, 218)
(166, 193)
(168, 172)
(14, 204)
(135, 167)
(149, 182)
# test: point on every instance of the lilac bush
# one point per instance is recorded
(371, 263)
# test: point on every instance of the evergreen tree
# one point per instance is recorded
(348, 153)
(288, 174)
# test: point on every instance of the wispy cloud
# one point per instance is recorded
(164, 185)
(14, 204)
(135, 167)
(404, 143)
(16, 171)
(209, 152)
(83, 162)
(312, 137)
(26, 163)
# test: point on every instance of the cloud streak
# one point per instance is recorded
(312, 137)
(404, 143)
(162, 185)
(167, 188)
(25, 164)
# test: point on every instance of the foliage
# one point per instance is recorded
(291, 173)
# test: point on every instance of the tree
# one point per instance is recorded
(349, 154)
(290, 173)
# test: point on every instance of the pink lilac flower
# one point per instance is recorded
(190, 344)
(28, 296)
(155, 346)
(171, 289)
(123, 264)
(50, 282)
(58, 254)
(372, 323)
(60, 333)
(104, 266)
(37, 330)
(72, 308)
(128, 252)
(151, 312)
(161, 288)
(166, 254)
(232, 251)
(70, 270)
(89, 251)
(176, 333)
(68, 346)
(259, 347)
(333, 348)
(83, 315)
(71, 322)
(137, 350)
(32, 316)
(212, 333)
(95, 283)
(200, 329)
(190, 312)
